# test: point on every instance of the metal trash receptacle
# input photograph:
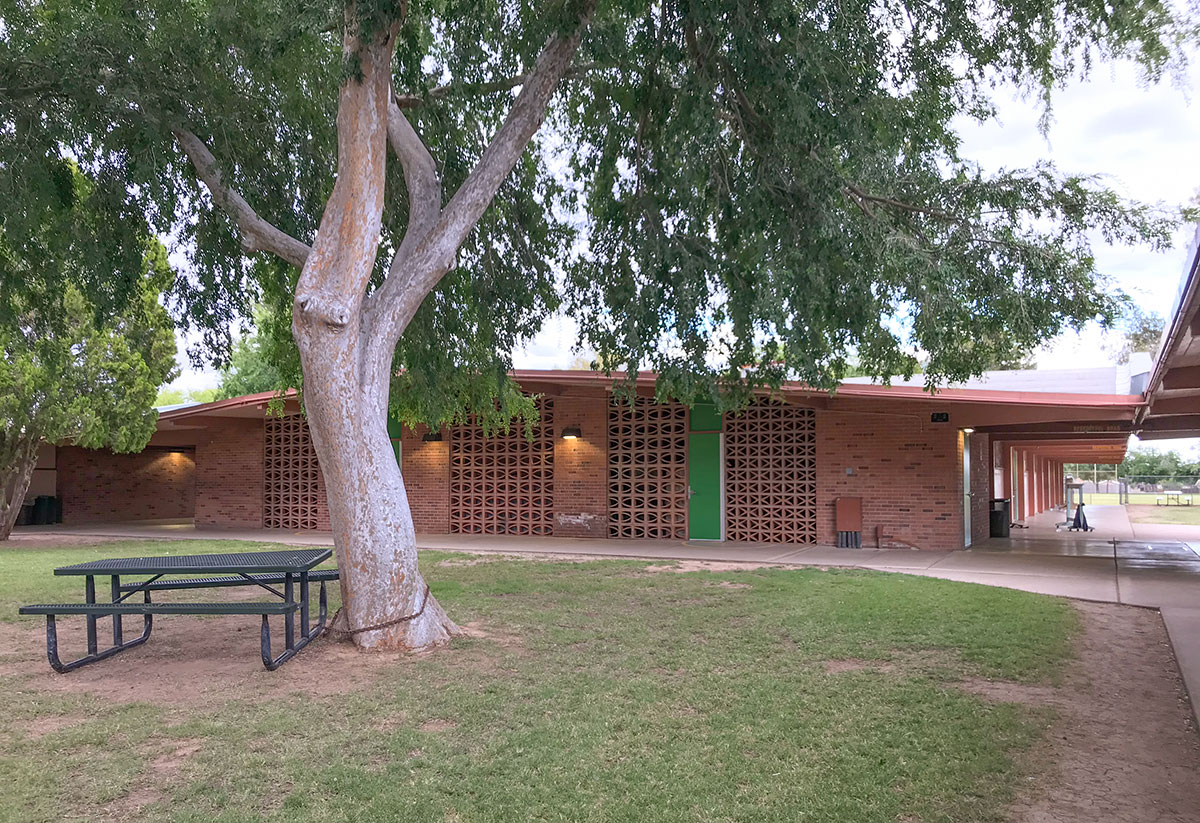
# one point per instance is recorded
(1000, 517)
(43, 510)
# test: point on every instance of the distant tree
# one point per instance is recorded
(257, 363)
(170, 397)
(74, 369)
(204, 395)
(1142, 331)
(173, 397)
(1148, 466)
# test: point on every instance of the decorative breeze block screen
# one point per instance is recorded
(291, 475)
(647, 470)
(771, 474)
(503, 484)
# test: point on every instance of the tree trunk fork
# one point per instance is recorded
(347, 338)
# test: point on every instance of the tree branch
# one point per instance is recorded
(400, 297)
(861, 197)
(420, 177)
(424, 186)
(412, 101)
(256, 233)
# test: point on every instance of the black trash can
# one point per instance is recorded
(43, 510)
(57, 509)
(25, 516)
(1000, 517)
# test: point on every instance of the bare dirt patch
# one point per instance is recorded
(912, 662)
(169, 763)
(482, 631)
(1124, 748)
(153, 784)
(857, 665)
(683, 566)
(1009, 691)
(190, 661)
(39, 727)
(437, 725)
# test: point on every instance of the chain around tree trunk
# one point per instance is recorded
(351, 632)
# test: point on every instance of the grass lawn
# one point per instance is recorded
(602, 691)
(1174, 515)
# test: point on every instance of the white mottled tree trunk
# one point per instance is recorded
(347, 380)
(15, 474)
(347, 334)
(369, 512)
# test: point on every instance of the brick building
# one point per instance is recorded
(918, 470)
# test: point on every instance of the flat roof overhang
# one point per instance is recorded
(1074, 427)
(1173, 392)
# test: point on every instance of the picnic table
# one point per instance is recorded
(294, 568)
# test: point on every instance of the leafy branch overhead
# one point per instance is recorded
(713, 180)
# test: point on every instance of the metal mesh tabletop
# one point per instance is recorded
(288, 560)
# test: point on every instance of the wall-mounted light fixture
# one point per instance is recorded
(432, 437)
(571, 433)
(968, 431)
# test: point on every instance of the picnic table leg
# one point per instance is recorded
(116, 595)
(289, 619)
(90, 597)
(304, 604)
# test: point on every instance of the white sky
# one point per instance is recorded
(1144, 138)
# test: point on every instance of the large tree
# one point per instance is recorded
(72, 372)
(716, 179)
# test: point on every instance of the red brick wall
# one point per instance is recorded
(426, 470)
(229, 474)
(908, 473)
(581, 468)
(982, 475)
(99, 486)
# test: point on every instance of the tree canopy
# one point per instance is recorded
(253, 366)
(713, 180)
(1146, 466)
(72, 371)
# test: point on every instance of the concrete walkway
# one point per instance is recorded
(1132, 571)
(1067, 564)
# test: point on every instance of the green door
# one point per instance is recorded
(705, 505)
